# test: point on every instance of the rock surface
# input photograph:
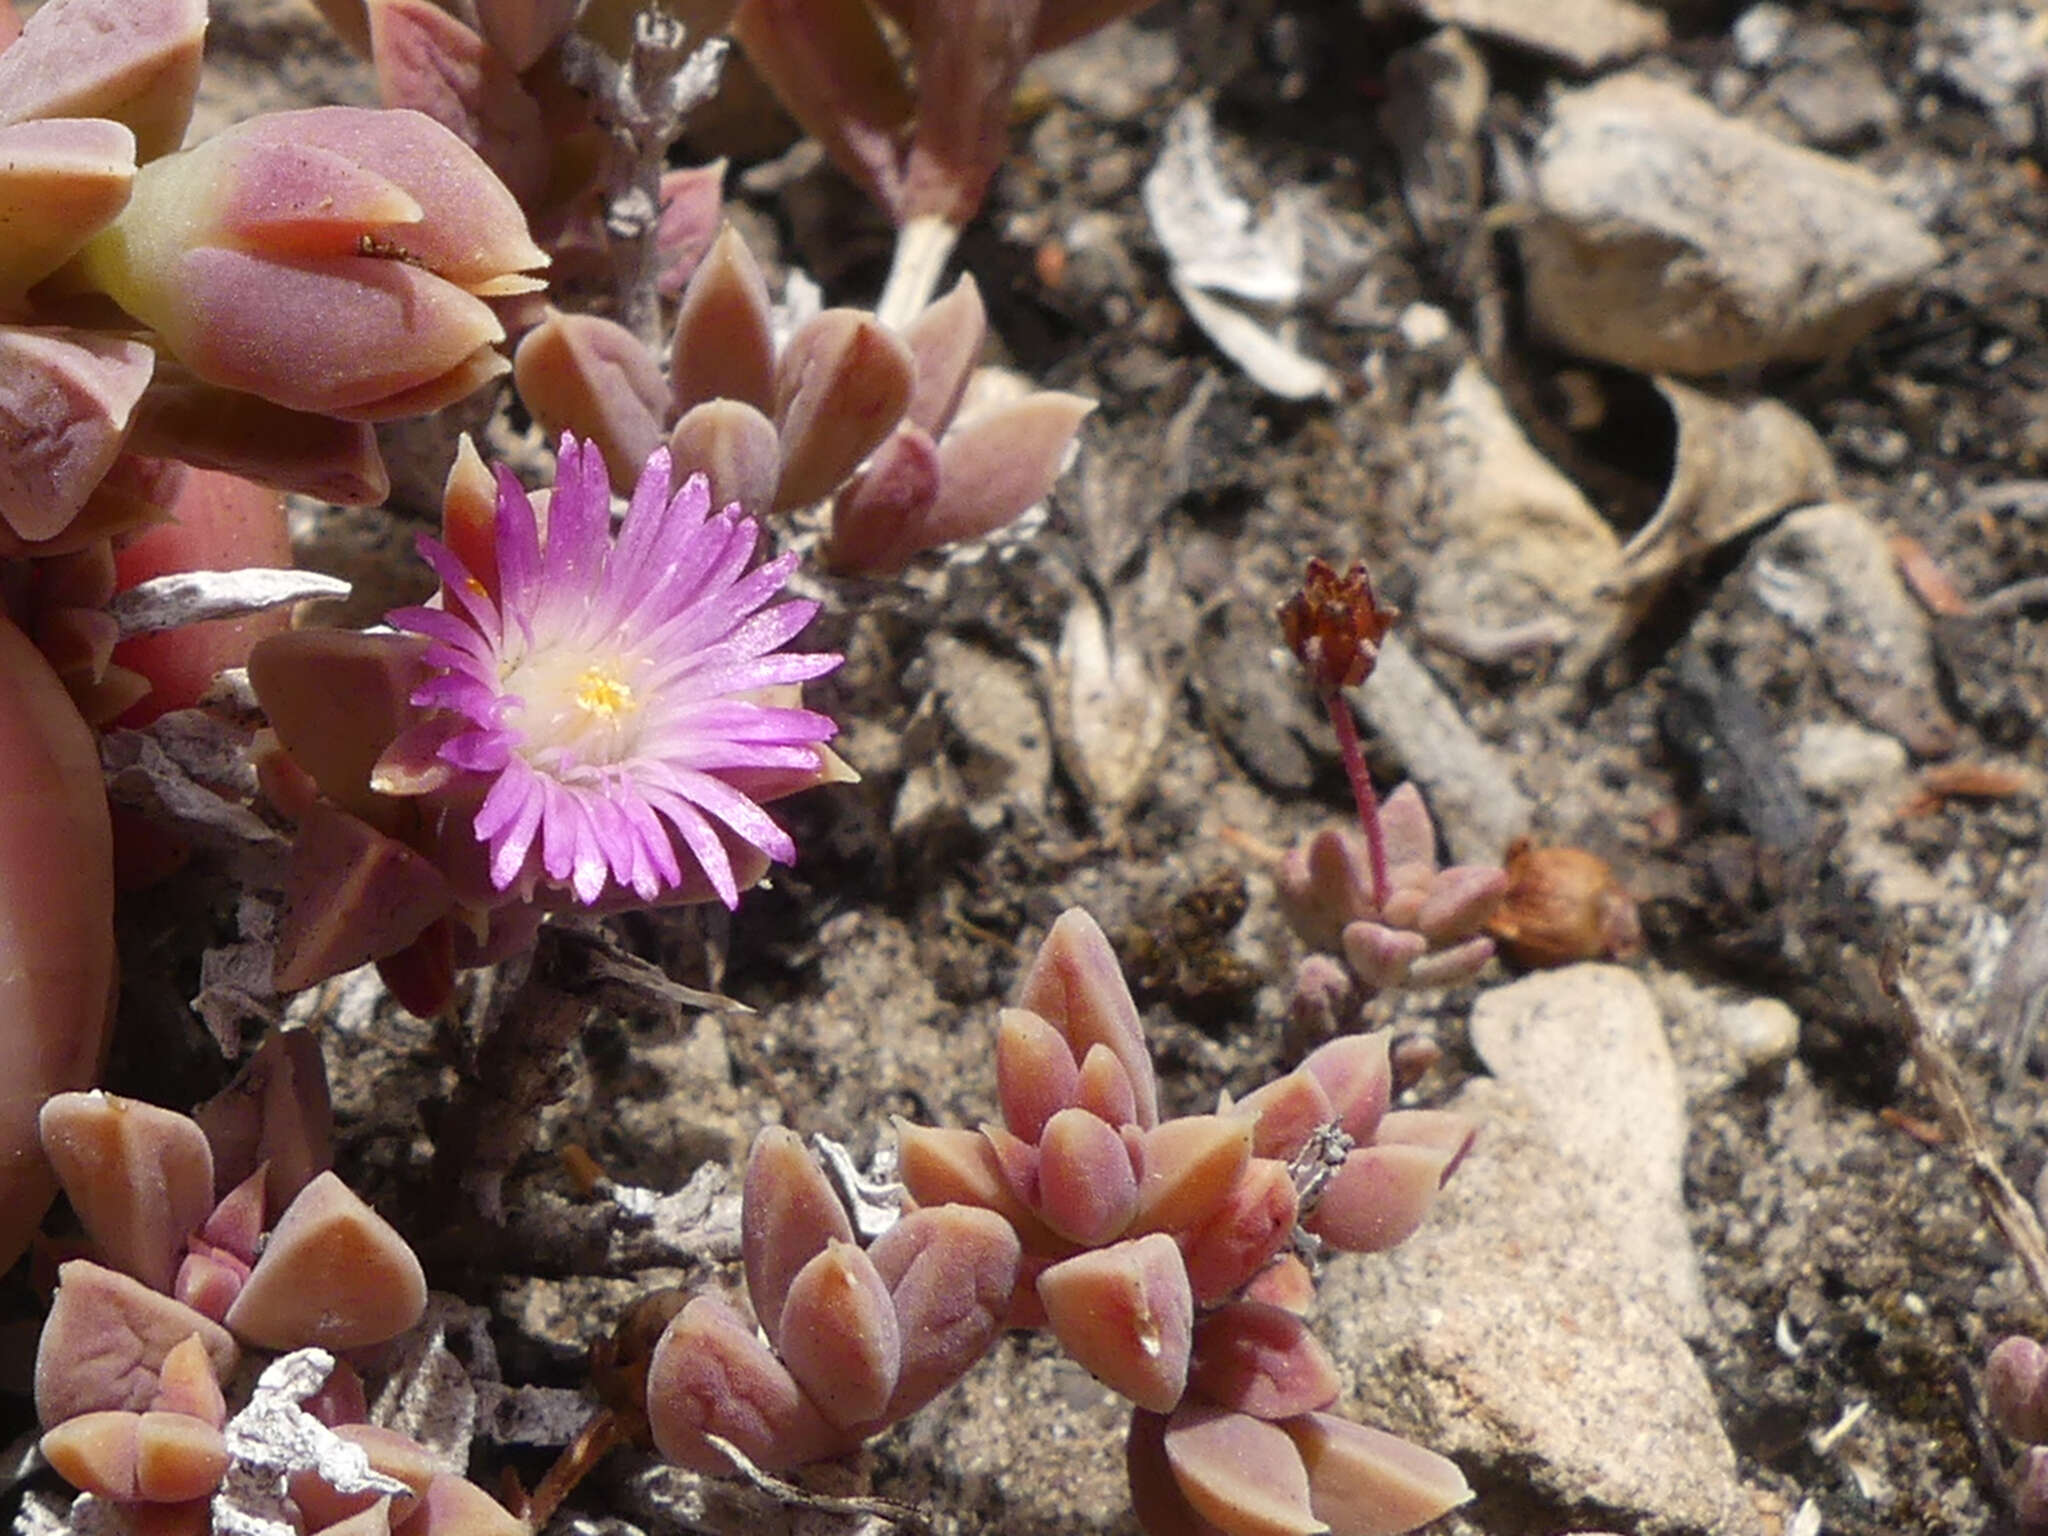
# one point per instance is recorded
(1670, 238)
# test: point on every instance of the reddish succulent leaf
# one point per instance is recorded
(336, 698)
(1287, 1111)
(1225, 1252)
(2016, 1388)
(135, 63)
(1104, 1090)
(243, 434)
(946, 341)
(429, 61)
(60, 182)
(1284, 1283)
(830, 66)
(1076, 986)
(139, 1177)
(1261, 1360)
(1018, 1159)
(1187, 1168)
(591, 376)
(1378, 1197)
(724, 345)
(711, 1374)
(522, 30)
(1380, 956)
(351, 895)
(106, 1339)
(1162, 1509)
(1127, 1315)
(970, 54)
(66, 398)
(839, 1336)
(1241, 1474)
(209, 1279)
(995, 466)
(1366, 1482)
(1460, 902)
(949, 1166)
(334, 1274)
(951, 1271)
(186, 1385)
(1036, 1074)
(877, 517)
(692, 200)
(454, 1506)
(389, 1452)
(1358, 1076)
(840, 388)
(96, 1453)
(1087, 1191)
(734, 447)
(1444, 1130)
(788, 1214)
(275, 1119)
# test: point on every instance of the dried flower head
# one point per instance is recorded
(609, 690)
(1334, 624)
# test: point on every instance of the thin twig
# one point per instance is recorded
(2009, 1211)
(905, 1515)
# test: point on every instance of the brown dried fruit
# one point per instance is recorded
(1562, 905)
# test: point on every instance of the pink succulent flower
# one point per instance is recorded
(610, 689)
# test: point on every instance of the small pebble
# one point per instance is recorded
(1763, 1031)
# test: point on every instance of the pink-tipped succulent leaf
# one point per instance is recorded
(951, 1271)
(139, 1177)
(839, 1335)
(711, 1375)
(1366, 1482)
(841, 385)
(1241, 1474)
(1076, 985)
(1127, 1315)
(2016, 1388)
(1261, 1360)
(591, 376)
(134, 61)
(789, 1215)
(106, 1339)
(334, 1274)
(1379, 1197)
(724, 343)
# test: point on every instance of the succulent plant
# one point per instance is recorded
(586, 719)
(1160, 1253)
(846, 409)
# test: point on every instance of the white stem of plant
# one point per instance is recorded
(923, 247)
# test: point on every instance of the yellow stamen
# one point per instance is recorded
(603, 693)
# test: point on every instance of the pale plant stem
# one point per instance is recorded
(923, 247)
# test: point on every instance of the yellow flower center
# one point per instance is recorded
(602, 692)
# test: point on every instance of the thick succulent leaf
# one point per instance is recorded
(60, 182)
(522, 30)
(1409, 832)
(56, 930)
(830, 66)
(948, 1165)
(1076, 986)
(334, 1275)
(1018, 1160)
(135, 61)
(1382, 957)
(2016, 1388)
(1251, 1226)
(429, 61)
(140, 1178)
(1285, 1113)
(997, 465)
(1357, 1074)
(277, 1119)
(1261, 1360)
(454, 1506)
(1087, 1189)
(710, 1374)
(1187, 1168)
(840, 388)
(724, 346)
(66, 398)
(970, 54)
(390, 1453)
(951, 1271)
(1366, 1482)
(1127, 1315)
(734, 447)
(352, 895)
(1161, 1508)
(158, 1458)
(1324, 882)
(1461, 900)
(1445, 1130)
(692, 208)
(1104, 1090)
(105, 1341)
(789, 1213)
(1378, 1197)
(591, 376)
(186, 1385)
(181, 416)
(1241, 1474)
(877, 518)
(840, 1336)
(1284, 1283)
(946, 341)
(336, 698)
(1036, 1074)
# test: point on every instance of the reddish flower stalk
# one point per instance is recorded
(1334, 626)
